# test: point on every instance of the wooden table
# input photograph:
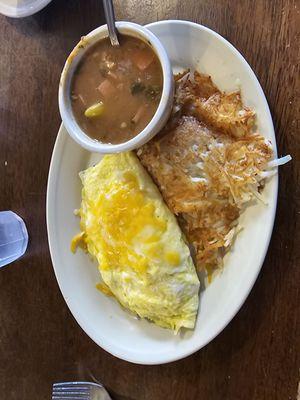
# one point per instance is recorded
(258, 355)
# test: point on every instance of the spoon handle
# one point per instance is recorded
(110, 20)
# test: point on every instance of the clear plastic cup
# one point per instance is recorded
(13, 237)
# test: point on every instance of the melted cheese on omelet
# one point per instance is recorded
(142, 255)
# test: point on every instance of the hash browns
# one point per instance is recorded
(208, 163)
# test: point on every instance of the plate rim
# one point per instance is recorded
(54, 166)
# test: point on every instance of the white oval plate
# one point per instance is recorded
(138, 341)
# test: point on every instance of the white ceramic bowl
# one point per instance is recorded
(165, 105)
(20, 9)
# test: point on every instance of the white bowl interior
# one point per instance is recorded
(188, 45)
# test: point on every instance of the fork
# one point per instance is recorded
(79, 391)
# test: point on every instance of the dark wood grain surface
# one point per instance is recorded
(258, 355)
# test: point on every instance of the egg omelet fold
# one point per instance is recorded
(142, 255)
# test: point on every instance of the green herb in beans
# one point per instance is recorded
(137, 87)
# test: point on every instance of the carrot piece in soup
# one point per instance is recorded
(142, 59)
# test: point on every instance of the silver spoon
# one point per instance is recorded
(110, 20)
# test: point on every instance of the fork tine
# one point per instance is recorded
(70, 397)
(65, 396)
(71, 388)
(71, 384)
(78, 383)
(69, 394)
(74, 392)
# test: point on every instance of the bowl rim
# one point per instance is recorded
(163, 110)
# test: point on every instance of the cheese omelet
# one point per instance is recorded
(143, 257)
